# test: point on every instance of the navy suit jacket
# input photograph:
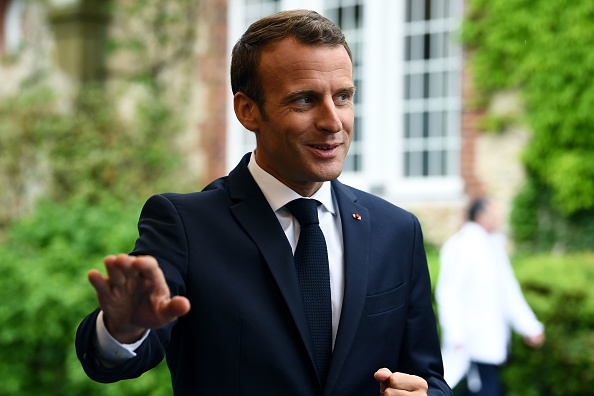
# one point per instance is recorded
(247, 333)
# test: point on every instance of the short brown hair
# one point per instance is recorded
(306, 26)
(477, 207)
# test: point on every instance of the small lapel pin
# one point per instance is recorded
(357, 216)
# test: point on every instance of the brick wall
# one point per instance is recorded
(214, 86)
(473, 185)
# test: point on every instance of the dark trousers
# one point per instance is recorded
(489, 378)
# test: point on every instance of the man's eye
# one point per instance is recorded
(304, 100)
(344, 97)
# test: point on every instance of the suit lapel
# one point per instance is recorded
(254, 214)
(356, 233)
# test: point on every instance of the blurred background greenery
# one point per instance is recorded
(75, 169)
(74, 172)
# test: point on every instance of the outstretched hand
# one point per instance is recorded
(135, 297)
(396, 383)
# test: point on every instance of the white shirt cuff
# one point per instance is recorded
(109, 349)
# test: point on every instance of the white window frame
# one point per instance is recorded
(431, 188)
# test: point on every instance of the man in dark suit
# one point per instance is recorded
(212, 283)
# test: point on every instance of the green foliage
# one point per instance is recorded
(96, 145)
(542, 47)
(539, 227)
(44, 262)
(94, 154)
(26, 121)
(559, 289)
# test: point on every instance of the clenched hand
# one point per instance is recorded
(400, 384)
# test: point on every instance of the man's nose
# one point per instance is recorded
(327, 117)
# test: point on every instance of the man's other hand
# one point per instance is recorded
(396, 384)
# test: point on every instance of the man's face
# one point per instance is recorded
(305, 133)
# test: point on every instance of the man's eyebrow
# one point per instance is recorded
(303, 92)
(351, 90)
(313, 93)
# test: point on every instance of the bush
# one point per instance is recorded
(559, 289)
(539, 227)
(72, 147)
(44, 262)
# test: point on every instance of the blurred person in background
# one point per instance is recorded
(479, 303)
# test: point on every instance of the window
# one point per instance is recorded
(431, 90)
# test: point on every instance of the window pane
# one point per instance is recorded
(436, 124)
(435, 163)
(413, 125)
(436, 85)
(415, 86)
(454, 84)
(414, 163)
(438, 9)
(415, 10)
(437, 45)
(415, 47)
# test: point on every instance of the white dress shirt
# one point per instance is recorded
(479, 301)
(277, 194)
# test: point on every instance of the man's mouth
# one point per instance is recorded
(324, 147)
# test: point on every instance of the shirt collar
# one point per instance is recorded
(278, 195)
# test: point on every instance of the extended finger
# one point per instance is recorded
(119, 268)
(148, 267)
(98, 281)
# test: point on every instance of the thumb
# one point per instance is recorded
(381, 376)
(176, 307)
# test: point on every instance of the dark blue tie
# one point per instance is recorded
(311, 260)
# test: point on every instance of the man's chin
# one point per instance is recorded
(328, 175)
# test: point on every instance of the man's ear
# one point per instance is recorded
(246, 111)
